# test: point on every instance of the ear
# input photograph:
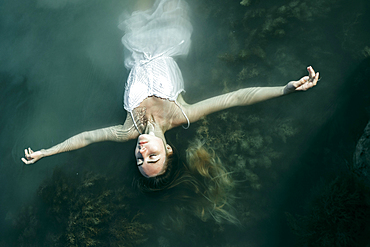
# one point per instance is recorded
(169, 149)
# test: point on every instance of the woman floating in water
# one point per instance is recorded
(154, 103)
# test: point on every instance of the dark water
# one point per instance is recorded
(62, 73)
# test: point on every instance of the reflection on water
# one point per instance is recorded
(62, 73)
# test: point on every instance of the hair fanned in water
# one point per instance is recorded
(201, 185)
(215, 184)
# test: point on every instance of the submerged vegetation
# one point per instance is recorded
(252, 43)
(338, 214)
(243, 144)
(260, 43)
(256, 43)
(92, 211)
(248, 150)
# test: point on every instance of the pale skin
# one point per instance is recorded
(151, 148)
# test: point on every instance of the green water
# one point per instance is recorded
(62, 73)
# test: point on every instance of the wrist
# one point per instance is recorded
(289, 88)
(44, 153)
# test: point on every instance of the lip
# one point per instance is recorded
(142, 142)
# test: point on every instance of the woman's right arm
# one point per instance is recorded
(118, 133)
(249, 96)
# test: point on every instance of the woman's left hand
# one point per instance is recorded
(31, 156)
(304, 83)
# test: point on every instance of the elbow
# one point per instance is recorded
(237, 99)
(87, 138)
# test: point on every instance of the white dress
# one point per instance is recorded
(153, 38)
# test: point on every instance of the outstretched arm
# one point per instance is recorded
(248, 96)
(118, 133)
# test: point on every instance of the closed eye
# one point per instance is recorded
(154, 161)
(139, 162)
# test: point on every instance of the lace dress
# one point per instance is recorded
(153, 38)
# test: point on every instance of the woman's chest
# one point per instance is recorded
(158, 110)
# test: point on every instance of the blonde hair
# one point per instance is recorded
(215, 184)
(202, 183)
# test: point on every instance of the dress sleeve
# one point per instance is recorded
(118, 133)
(242, 97)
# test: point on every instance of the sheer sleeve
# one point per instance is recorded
(117, 133)
(241, 97)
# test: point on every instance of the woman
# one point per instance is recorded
(150, 116)
(153, 97)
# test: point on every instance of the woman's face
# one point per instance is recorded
(150, 153)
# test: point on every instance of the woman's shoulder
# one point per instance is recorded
(180, 100)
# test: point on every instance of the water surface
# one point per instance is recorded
(62, 73)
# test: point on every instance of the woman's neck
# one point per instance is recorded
(152, 128)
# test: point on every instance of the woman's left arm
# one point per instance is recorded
(118, 133)
(248, 96)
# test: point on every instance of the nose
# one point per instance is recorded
(141, 149)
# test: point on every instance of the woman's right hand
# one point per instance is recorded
(31, 156)
(304, 83)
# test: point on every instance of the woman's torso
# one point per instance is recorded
(167, 114)
(152, 39)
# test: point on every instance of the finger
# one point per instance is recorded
(311, 73)
(27, 162)
(307, 85)
(316, 78)
(27, 154)
(304, 79)
(310, 70)
(300, 82)
(30, 150)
